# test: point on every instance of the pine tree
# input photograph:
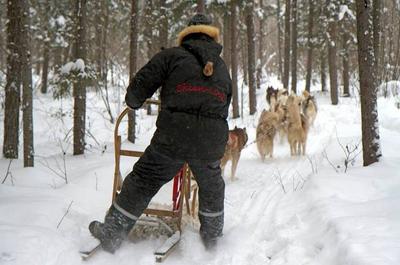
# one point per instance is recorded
(368, 96)
(26, 73)
(46, 47)
(251, 56)
(286, 64)
(79, 86)
(310, 44)
(294, 46)
(376, 20)
(332, 49)
(134, 31)
(13, 83)
(227, 39)
(2, 40)
(234, 60)
(279, 26)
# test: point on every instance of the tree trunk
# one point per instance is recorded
(396, 70)
(105, 22)
(79, 86)
(26, 72)
(234, 60)
(332, 51)
(382, 51)
(45, 67)
(38, 65)
(66, 51)
(99, 17)
(286, 65)
(310, 45)
(133, 64)
(323, 70)
(164, 25)
(390, 71)
(148, 35)
(243, 57)
(57, 56)
(201, 7)
(260, 57)
(13, 83)
(103, 55)
(377, 32)
(346, 62)
(46, 49)
(294, 46)
(251, 57)
(278, 21)
(2, 41)
(368, 97)
(227, 39)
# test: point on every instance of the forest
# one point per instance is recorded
(330, 198)
(65, 48)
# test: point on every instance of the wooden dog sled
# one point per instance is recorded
(182, 188)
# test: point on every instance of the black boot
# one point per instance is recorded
(210, 230)
(113, 231)
(209, 243)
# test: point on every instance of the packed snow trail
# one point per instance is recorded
(284, 211)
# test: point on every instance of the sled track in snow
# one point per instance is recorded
(254, 209)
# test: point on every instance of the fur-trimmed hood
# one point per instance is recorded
(211, 31)
(202, 42)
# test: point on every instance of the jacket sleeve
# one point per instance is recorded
(147, 80)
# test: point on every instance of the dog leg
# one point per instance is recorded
(235, 160)
(291, 148)
(271, 153)
(261, 150)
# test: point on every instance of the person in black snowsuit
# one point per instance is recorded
(191, 127)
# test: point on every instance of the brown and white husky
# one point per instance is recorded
(266, 131)
(236, 142)
(309, 107)
(297, 126)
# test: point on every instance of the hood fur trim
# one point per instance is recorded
(211, 31)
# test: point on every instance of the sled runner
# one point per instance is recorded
(167, 220)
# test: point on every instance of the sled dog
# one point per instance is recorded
(236, 142)
(272, 97)
(266, 130)
(297, 126)
(309, 107)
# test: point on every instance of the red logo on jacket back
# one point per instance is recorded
(188, 88)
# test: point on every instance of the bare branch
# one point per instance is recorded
(59, 223)
(8, 172)
(278, 177)
(325, 155)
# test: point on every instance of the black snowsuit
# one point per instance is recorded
(191, 127)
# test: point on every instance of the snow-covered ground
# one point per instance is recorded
(307, 210)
